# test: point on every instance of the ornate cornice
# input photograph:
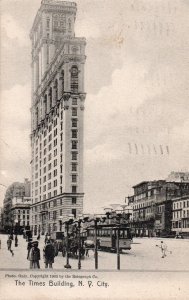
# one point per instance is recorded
(82, 97)
(66, 96)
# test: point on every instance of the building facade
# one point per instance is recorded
(21, 213)
(152, 206)
(57, 114)
(180, 215)
(17, 190)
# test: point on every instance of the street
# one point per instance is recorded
(144, 255)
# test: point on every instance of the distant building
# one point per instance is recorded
(180, 215)
(152, 206)
(21, 212)
(178, 177)
(17, 190)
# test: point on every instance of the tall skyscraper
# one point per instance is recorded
(57, 113)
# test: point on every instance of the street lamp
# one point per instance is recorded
(96, 219)
(67, 224)
(81, 219)
(15, 232)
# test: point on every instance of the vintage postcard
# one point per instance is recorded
(94, 149)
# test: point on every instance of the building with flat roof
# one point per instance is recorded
(152, 204)
(57, 115)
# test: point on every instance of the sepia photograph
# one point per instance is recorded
(94, 149)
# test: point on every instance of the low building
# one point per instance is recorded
(152, 206)
(180, 215)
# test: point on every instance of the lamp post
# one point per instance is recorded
(67, 223)
(15, 232)
(81, 219)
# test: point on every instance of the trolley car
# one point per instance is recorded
(107, 237)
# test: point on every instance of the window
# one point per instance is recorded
(74, 101)
(62, 78)
(74, 189)
(54, 203)
(50, 98)
(50, 137)
(55, 142)
(55, 132)
(55, 162)
(55, 173)
(74, 167)
(49, 176)
(74, 122)
(74, 200)
(74, 212)
(60, 212)
(74, 133)
(74, 144)
(74, 111)
(49, 156)
(54, 215)
(74, 178)
(74, 156)
(50, 147)
(48, 23)
(49, 185)
(55, 183)
(74, 79)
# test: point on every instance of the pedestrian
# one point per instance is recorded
(47, 237)
(163, 248)
(9, 244)
(29, 246)
(49, 254)
(34, 255)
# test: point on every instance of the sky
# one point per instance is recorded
(136, 80)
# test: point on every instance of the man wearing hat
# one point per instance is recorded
(34, 255)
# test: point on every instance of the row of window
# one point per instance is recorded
(182, 204)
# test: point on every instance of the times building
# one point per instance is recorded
(57, 114)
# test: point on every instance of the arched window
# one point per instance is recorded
(37, 116)
(62, 78)
(74, 79)
(50, 98)
(56, 89)
(45, 104)
(69, 25)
